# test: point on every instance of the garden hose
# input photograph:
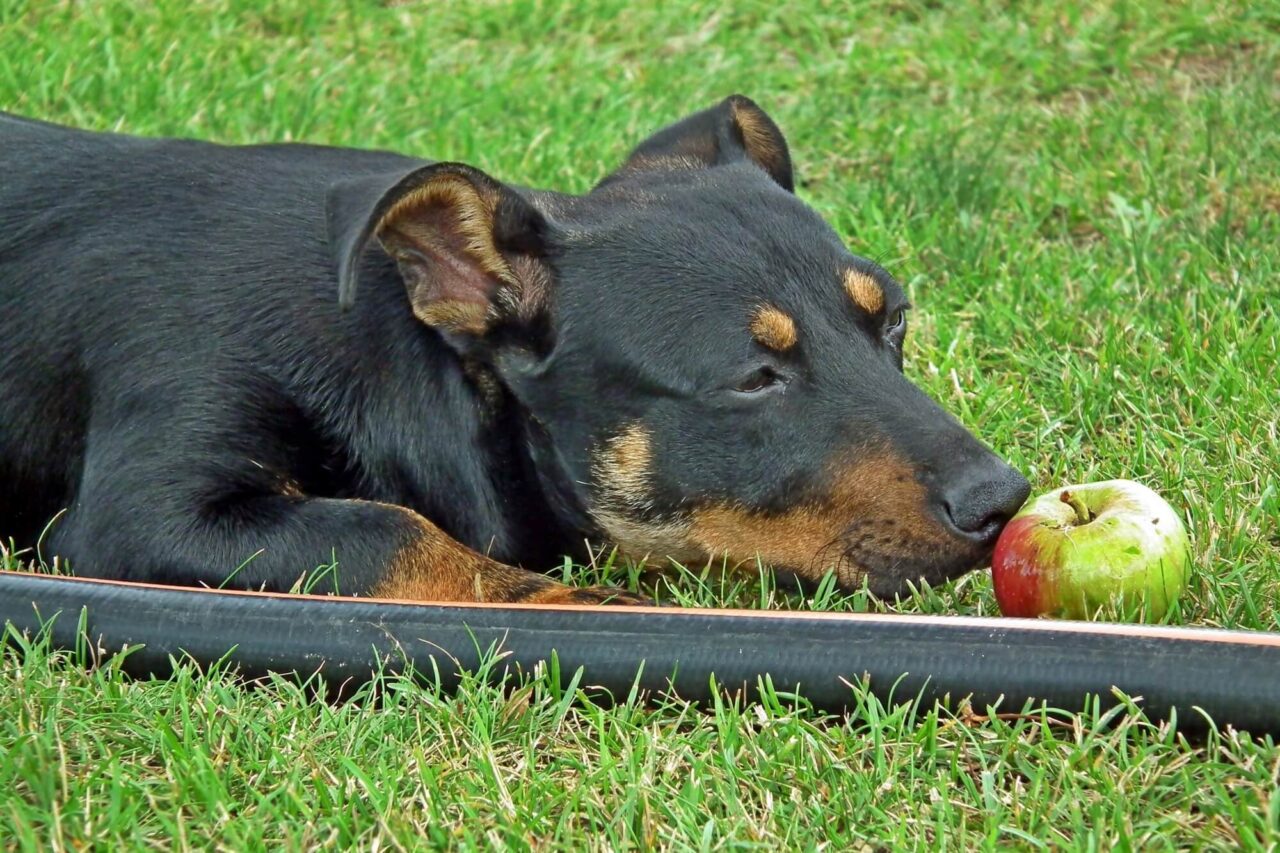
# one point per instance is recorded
(1199, 676)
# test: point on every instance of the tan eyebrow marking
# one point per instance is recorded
(773, 329)
(865, 291)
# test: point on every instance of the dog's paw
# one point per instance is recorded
(596, 595)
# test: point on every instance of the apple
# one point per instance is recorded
(1075, 548)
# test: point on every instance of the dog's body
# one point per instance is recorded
(519, 373)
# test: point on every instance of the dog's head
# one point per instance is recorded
(705, 370)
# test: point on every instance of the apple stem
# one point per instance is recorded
(1083, 516)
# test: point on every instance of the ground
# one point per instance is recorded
(1083, 201)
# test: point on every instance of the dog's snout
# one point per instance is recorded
(981, 498)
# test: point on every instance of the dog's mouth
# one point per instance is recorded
(888, 561)
(889, 575)
(873, 524)
(889, 572)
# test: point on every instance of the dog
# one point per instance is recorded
(227, 366)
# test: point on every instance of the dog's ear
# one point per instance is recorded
(469, 249)
(735, 129)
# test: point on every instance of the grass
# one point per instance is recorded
(1084, 203)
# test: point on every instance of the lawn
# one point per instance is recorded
(1083, 201)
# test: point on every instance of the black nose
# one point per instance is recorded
(982, 497)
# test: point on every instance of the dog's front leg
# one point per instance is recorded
(432, 566)
(271, 542)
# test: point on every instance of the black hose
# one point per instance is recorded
(1232, 677)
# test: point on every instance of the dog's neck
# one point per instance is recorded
(439, 434)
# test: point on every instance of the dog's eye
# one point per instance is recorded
(758, 380)
(896, 329)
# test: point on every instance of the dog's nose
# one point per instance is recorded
(978, 502)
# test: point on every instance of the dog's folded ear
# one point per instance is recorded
(736, 129)
(469, 249)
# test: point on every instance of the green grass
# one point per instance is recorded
(1084, 203)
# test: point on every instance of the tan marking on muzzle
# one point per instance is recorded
(865, 291)
(811, 538)
(773, 328)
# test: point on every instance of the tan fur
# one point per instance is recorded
(534, 291)
(874, 503)
(441, 234)
(865, 291)
(432, 566)
(773, 329)
(623, 473)
(622, 470)
(811, 539)
(470, 212)
(757, 137)
(628, 457)
(454, 315)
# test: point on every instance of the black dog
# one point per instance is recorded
(685, 362)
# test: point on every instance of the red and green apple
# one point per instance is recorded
(1071, 550)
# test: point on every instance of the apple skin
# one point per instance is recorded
(1133, 547)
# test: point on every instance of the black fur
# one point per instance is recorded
(178, 376)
